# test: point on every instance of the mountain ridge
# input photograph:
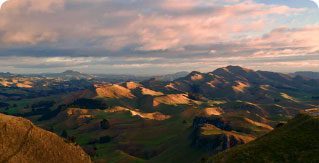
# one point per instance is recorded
(307, 74)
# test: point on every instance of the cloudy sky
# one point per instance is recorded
(158, 36)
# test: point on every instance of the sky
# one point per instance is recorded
(146, 37)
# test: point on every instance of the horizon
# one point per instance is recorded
(158, 37)
(147, 75)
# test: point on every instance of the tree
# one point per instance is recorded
(51, 128)
(105, 124)
(105, 139)
(277, 100)
(64, 134)
(72, 139)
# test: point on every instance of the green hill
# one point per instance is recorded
(296, 141)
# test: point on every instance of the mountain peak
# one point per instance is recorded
(231, 70)
(71, 72)
(195, 73)
(237, 68)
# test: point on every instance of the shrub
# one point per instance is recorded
(105, 139)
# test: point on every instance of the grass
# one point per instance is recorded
(212, 132)
(22, 104)
(297, 141)
(83, 139)
(108, 153)
(165, 136)
(147, 135)
(179, 151)
(119, 115)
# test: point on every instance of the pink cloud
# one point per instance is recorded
(18, 6)
(178, 5)
(286, 41)
(168, 24)
(30, 37)
(221, 24)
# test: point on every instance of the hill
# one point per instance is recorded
(258, 92)
(233, 82)
(68, 75)
(172, 77)
(307, 74)
(163, 121)
(21, 141)
(296, 141)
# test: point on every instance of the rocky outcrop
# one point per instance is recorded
(218, 142)
(21, 141)
(214, 134)
(295, 141)
(217, 121)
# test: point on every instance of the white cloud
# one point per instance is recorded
(316, 2)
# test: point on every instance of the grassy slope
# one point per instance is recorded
(179, 151)
(297, 141)
(169, 137)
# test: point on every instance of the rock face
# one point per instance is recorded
(215, 143)
(21, 141)
(219, 122)
(214, 134)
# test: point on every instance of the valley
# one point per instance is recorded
(187, 118)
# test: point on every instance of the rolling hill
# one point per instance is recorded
(197, 115)
(233, 82)
(307, 74)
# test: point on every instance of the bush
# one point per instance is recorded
(53, 113)
(105, 139)
(4, 105)
(43, 104)
(276, 100)
(64, 134)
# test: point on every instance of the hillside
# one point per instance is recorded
(268, 94)
(172, 77)
(233, 82)
(21, 141)
(307, 74)
(296, 141)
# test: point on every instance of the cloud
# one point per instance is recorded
(116, 25)
(164, 33)
(287, 41)
(2, 2)
(316, 2)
